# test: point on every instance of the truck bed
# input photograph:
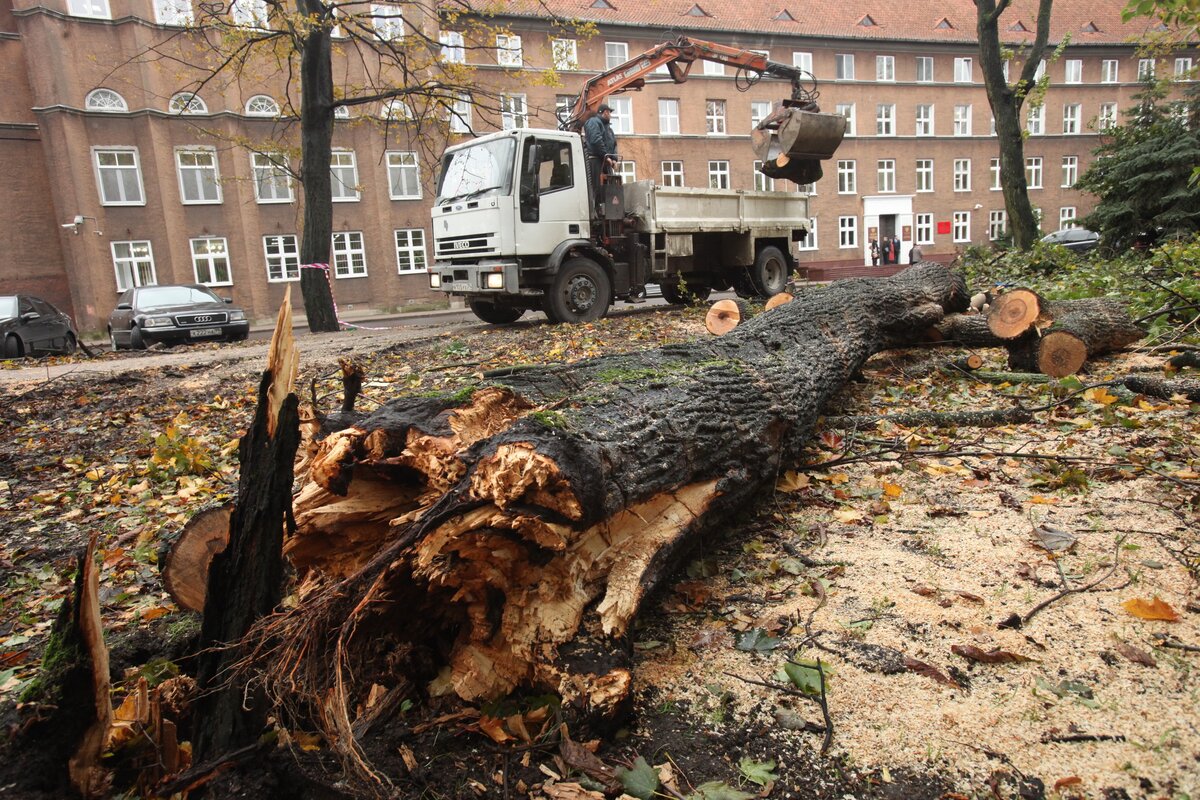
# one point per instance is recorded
(671, 209)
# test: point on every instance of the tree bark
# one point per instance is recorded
(1075, 331)
(1163, 389)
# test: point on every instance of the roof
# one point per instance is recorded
(951, 21)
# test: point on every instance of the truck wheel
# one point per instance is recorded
(693, 294)
(581, 292)
(488, 311)
(770, 272)
(743, 284)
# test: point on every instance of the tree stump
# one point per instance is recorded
(1014, 312)
(778, 300)
(725, 315)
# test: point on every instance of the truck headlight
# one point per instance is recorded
(495, 280)
(435, 280)
(157, 322)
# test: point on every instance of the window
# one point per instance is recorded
(615, 54)
(672, 173)
(1145, 69)
(453, 50)
(1183, 69)
(514, 112)
(283, 258)
(1072, 113)
(713, 68)
(626, 171)
(847, 111)
(807, 188)
(962, 226)
(1066, 217)
(1004, 70)
(1070, 169)
(187, 103)
(459, 114)
(199, 182)
(668, 115)
(962, 174)
(272, 183)
(962, 70)
(410, 250)
(924, 228)
(761, 182)
(924, 69)
(173, 12)
(714, 117)
(341, 112)
(759, 110)
(89, 8)
(349, 256)
(847, 177)
(262, 106)
(809, 242)
(844, 66)
(210, 262)
(1033, 172)
(885, 68)
(995, 169)
(1040, 72)
(718, 174)
(395, 109)
(105, 100)
(997, 224)
(388, 21)
(885, 119)
(1108, 116)
(991, 125)
(564, 53)
(249, 13)
(622, 114)
(508, 50)
(404, 181)
(847, 232)
(563, 103)
(1035, 122)
(1108, 70)
(803, 60)
(886, 175)
(119, 177)
(1073, 71)
(134, 264)
(925, 119)
(962, 120)
(344, 173)
(924, 174)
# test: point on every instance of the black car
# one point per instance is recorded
(172, 315)
(29, 326)
(1080, 240)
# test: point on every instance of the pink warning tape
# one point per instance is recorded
(336, 315)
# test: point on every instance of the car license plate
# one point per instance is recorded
(196, 333)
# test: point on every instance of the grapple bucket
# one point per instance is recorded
(792, 141)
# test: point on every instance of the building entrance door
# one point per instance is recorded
(885, 219)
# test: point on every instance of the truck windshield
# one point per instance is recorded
(476, 170)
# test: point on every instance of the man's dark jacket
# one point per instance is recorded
(598, 137)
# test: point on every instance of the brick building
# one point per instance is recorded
(165, 190)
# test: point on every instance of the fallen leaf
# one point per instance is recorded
(760, 772)
(1136, 656)
(641, 780)
(756, 640)
(996, 656)
(793, 481)
(1042, 500)
(493, 728)
(925, 591)
(974, 598)
(1073, 780)
(892, 489)
(1054, 538)
(848, 515)
(1151, 609)
(1100, 394)
(929, 671)
(569, 791)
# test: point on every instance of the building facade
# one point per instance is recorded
(116, 178)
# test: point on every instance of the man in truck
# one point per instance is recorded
(600, 144)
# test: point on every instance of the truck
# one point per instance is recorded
(519, 224)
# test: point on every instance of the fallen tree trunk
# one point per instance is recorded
(1081, 329)
(1163, 389)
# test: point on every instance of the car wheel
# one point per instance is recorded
(770, 272)
(496, 314)
(72, 344)
(581, 292)
(135, 338)
(13, 347)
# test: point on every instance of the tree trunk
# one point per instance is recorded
(1080, 330)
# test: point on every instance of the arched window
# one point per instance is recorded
(395, 109)
(105, 100)
(262, 106)
(187, 103)
(341, 112)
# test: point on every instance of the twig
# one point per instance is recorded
(827, 728)
(825, 710)
(1076, 590)
(1162, 311)
(1069, 738)
(1161, 640)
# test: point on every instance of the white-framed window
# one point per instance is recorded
(173, 12)
(1183, 68)
(997, 224)
(885, 172)
(924, 228)
(962, 174)
(1072, 114)
(626, 171)
(283, 257)
(809, 242)
(961, 227)
(925, 119)
(844, 66)
(563, 103)
(761, 182)
(119, 176)
(713, 68)
(1033, 172)
(1109, 70)
(1073, 70)
(924, 69)
(809, 189)
(210, 261)
(622, 114)
(1037, 214)
(410, 250)
(388, 21)
(714, 117)
(615, 54)
(962, 120)
(991, 125)
(133, 263)
(349, 255)
(1004, 69)
(803, 60)
(508, 50)
(718, 174)
(885, 119)
(759, 110)
(885, 69)
(668, 115)
(187, 103)
(454, 49)
(199, 180)
(1035, 122)
(994, 167)
(105, 100)
(847, 111)
(89, 8)
(1107, 117)
(249, 13)
(260, 105)
(395, 110)
(847, 232)
(272, 182)
(343, 171)
(514, 111)
(1040, 72)
(1070, 169)
(1145, 69)
(404, 179)
(672, 173)
(459, 114)
(962, 70)
(847, 172)
(341, 112)
(564, 53)
(924, 174)
(1066, 217)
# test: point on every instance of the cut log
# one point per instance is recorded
(185, 558)
(968, 330)
(1014, 312)
(778, 300)
(725, 315)
(1080, 330)
(1164, 390)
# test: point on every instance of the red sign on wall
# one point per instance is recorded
(943, 226)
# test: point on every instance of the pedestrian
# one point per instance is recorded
(600, 145)
(895, 249)
(915, 255)
(874, 253)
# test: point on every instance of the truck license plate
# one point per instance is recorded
(459, 286)
(198, 332)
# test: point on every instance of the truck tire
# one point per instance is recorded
(693, 294)
(488, 311)
(770, 272)
(581, 292)
(743, 284)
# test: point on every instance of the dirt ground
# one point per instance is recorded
(998, 612)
